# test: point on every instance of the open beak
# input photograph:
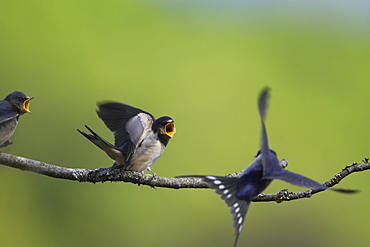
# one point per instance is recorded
(170, 129)
(26, 105)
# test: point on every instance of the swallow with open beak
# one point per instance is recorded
(255, 178)
(13, 106)
(139, 138)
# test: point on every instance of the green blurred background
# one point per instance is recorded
(202, 63)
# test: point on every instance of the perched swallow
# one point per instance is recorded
(255, 178)
(139, 138)
(14, 105)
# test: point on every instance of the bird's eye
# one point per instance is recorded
(20, 99)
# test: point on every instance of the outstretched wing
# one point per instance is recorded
(300, 180)
(116, 116)
(296, 179)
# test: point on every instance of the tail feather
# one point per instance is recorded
(226, 187)
(108, 148)
(96, 139)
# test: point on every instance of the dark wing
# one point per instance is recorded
(270, 162)
(115, 116)
(265, 150)
(296, 179)
(300, 180)
(262, 102)
(6, 112)
(226, 187)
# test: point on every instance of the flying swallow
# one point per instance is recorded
(139, 138)
(255, 178)
(14, 105)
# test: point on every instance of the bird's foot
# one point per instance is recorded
(282, 195)
(155, 176)
(8, 142)
(134, 174)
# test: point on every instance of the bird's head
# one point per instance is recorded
(165, 126)
(19, 101)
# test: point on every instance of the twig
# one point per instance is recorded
(115, 175)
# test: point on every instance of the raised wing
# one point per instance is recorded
(137, 127)
(265, 150)
(115, 116)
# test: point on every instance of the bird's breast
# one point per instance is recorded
(7, 130)
(146, 154)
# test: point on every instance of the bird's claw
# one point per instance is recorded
(8, 142)
(155, 176)
(282, 195)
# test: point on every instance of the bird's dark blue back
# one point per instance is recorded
(251, 184)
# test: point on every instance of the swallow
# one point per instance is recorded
(255, 178)
(139, 138)
(12, 107)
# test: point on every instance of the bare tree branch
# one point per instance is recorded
(115, 175)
